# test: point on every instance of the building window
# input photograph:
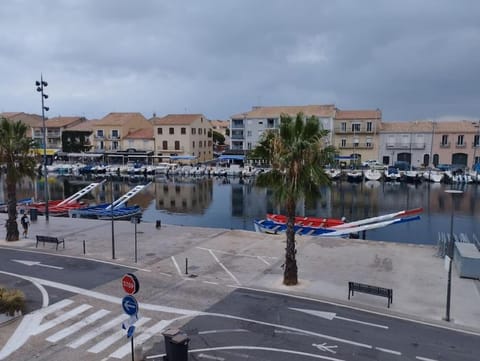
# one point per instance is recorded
(193, 144)
(177, 145)
(165, 145)
(444, 139)
(171, 130)
(249, 133)
(249, 145)
(114, 133)
(368, 143)
(343, 142)
(159, 131)
(199, 131)
(475, 140)
(194, 131)
(115, 145)
(355, 127)
(460, 139)
(369, 126)
(183, 131)
(100, 133)
(270, 123)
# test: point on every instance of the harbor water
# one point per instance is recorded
(234, 203)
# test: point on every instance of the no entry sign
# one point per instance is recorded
(130, 283)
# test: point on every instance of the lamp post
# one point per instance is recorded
(40, 86)
(113, 224)
(450, 251)
(476, 140)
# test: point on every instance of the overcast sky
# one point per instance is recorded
(413, 59)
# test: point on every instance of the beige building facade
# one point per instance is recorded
(109, 132)
(355, 134)
(188, 136)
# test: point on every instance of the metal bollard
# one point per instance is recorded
(158, 224)
(186, 266)
(84, 247)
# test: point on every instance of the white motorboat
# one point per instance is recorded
(373, 174)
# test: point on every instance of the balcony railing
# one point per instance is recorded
(356, 146)
(405, 145)
(170, 149)
(445, 145)
(460, 145)
(362, 130)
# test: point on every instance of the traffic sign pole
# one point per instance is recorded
(131, 286)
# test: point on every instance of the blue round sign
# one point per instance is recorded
(130, 305)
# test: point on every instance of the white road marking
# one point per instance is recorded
(77, 326)
(78, 257)
(289, 332)
(393, 352)
(325, 347)
(224, 268)
(330, 316)
(222, 331)
(211, 283)
(58, 320)
(261, 258)
(43, 291)
(29, 323)
(99, 347)
(35, 263)
(98, 331)
(270, 349)
(208, 357)
(234, 254)
(138, 340)
(424, 358)
(431, 324)
(176, 266)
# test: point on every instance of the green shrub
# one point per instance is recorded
(11, 301)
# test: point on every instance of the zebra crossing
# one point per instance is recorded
(95, 330)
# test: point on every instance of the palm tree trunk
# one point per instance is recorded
(11, 225)
(290, 273)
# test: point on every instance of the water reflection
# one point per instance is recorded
(235, 203)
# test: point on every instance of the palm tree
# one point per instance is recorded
(16, 153)
(297, 153)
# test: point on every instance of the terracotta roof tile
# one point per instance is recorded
(358, 114)
(145, 133)
(425, 126)
(276, 111)
(119, 118)
(60, 122)
(177, 119)
(32, 120)
(84, 126)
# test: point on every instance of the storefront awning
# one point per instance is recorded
(48, 151)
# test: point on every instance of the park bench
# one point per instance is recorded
(372, 290)
(49, 239)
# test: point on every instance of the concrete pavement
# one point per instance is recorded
(246, 259)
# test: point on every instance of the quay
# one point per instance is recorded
(254, 260)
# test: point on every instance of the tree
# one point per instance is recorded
(16, 153)
(297, 154)
(218, 138)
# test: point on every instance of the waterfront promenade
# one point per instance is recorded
(237, 258)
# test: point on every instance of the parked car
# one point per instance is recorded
(371, 163)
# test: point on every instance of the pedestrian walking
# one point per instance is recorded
(25, 222)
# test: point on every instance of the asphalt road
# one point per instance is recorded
(241, 324)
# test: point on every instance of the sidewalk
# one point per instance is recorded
(417, 277)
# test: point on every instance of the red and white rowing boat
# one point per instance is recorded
(336, 223)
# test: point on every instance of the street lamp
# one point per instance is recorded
(40, 86)
(112, 218)
(476, 140)
(450, 251)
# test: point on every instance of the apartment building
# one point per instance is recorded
(30, 120)
(183, 135)
(54, 128)
(427, 143)
(247, 128)
(355, 133)
(109, 132)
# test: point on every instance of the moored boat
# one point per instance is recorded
(306, 221)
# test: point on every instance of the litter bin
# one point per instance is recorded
(176, 345)
(33, 214)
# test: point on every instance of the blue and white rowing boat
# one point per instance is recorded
(115, 210)
(270, 227)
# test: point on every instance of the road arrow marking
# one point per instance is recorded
(211, 357)
(330, 316)
(325, 347)
(35, 263)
